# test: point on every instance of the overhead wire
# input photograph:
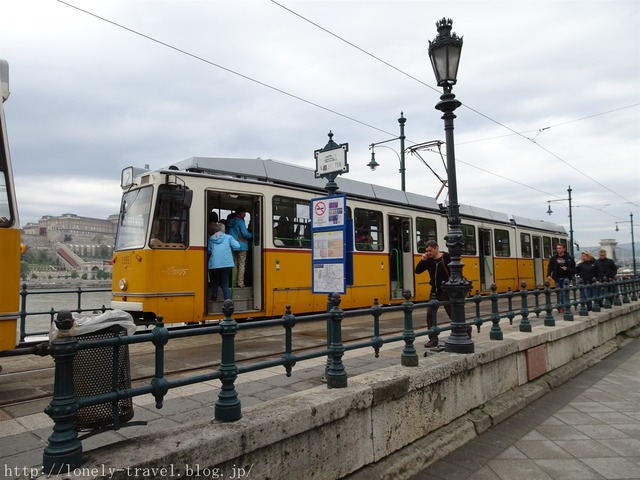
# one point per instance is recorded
(469, 107)
(309, 102)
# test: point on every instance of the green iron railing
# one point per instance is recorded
(64, 450)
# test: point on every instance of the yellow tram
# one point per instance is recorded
(387, 228)
(9, 233)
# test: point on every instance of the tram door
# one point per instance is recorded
(221, 207)
(486, 259)
(400, 256)
(538, 265)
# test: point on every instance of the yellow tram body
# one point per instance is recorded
(386, 231)
(9, 233)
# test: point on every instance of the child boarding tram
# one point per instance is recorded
(155, 275)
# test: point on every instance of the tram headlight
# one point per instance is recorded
(122, 284)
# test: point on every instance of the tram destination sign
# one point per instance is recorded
(332, 161)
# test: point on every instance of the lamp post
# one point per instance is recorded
(633, 244)
(444, 52)
(373, 164)
(549, 212)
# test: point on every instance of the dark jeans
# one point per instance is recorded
(441, 297)
(220, 278)
(560, 284)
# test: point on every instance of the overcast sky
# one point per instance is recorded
(550, 93)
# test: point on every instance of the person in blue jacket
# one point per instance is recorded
(220, 263)
(238, 230)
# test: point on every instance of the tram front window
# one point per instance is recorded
(134, 219)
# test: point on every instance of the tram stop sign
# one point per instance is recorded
(333, 161)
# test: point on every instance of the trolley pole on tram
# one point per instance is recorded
(444, 53)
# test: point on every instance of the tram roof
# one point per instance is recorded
(285, 173)
(277, 172)
(538, 224)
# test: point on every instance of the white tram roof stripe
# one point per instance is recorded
(277, 172)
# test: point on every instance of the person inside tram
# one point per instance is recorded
(175, 236)
(284, 231)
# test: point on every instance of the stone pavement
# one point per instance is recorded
(586, 429)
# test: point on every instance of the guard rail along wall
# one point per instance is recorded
(389, 423)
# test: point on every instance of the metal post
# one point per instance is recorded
(633, 247)
(570, 222)
(525, 324)
(64, 451)
(409, 357)
(336, 374)
(457, 286)
(227, 408)
(402, 121)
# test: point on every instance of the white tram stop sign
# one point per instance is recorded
(332, 161)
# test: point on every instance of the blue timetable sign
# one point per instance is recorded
(328, 244)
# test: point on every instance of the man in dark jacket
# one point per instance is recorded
(561, 268)
(437, 264)
(606, 270)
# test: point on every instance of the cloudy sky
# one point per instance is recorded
(550, 93)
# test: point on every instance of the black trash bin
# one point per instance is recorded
(103, 369)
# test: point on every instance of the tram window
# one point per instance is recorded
(503, 248)
(546, 247)
(525, 245)
(469, 243)
(369, 235)
(291, 222)
(134, 218)
(170, 220)
(5, 213)
(425, 230)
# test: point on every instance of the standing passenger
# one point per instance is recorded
(238, 230)
(587, 272)
(437, 264)
(561, 269)
(606, 270)
(221, 261)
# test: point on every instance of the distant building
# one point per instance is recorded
(609, 245)
(73, 229)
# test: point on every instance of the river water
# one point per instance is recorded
(38, 305)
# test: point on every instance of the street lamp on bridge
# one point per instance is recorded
(549, 212)
(633, 244)
(373, 164)
(444, 52)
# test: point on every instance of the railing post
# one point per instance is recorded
(23, 312)
(159, 384)
(227, 408)
(288, 321)
(583, 311)
(606, 292)
(64, 451)
(616, 294)
(568, 313)
(625, 284)
(377, 340)
(536, 296)
(549, 321)
(409, 356)
(525, 324)
(495, 333)
(336, 374)
(634, 288)
(510, 313)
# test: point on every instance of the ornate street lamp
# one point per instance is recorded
(373, 164)
(633, 243)
(549, 212)
(444, 53)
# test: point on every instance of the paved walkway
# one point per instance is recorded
(586, 429)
